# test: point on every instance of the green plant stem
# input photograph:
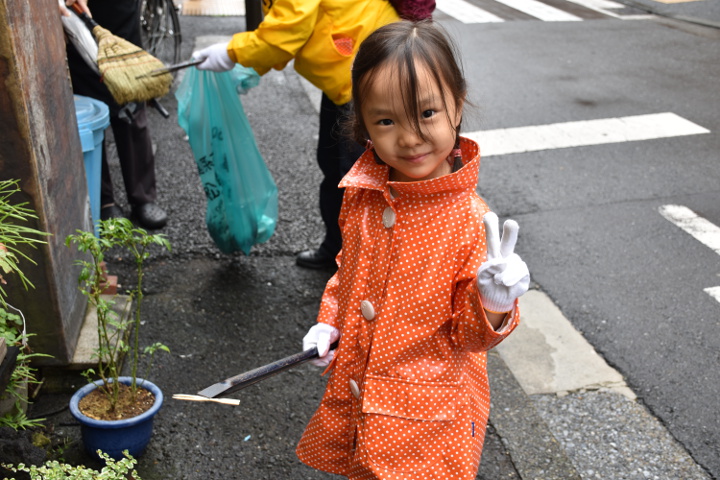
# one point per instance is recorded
(106, 360)
(138, 305)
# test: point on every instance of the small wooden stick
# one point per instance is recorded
(198, 398)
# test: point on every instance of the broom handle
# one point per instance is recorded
(89, 22)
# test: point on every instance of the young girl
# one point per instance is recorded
(424, 287)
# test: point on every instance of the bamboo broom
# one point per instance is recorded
(124, 66)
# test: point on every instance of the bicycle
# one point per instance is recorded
(160, 29)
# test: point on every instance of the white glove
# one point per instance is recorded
(321, 335)
(215, 58)
(504, 276)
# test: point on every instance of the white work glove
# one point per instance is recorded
(215, 58)
(504, 276)
(321, 335)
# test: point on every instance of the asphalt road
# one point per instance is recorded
(629, 280)
(632, 282)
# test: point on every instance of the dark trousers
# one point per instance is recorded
(336, 155)
(133, 140)
(137, 161)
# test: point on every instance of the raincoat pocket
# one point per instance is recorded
(407, 424)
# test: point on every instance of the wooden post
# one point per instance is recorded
(40, 145)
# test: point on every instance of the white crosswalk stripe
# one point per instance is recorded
(699, 228)
(466, 12)
(584, 133)
(605, 7)
(477, 11)
(540, 10)
(713, 292)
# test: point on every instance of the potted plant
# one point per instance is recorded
(53, 470)
(116, 412)
(14, 238)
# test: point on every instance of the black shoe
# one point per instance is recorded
(150, 215)
(316, 259)
(111, 211)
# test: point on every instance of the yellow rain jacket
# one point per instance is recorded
(408, 397)
(321, 35)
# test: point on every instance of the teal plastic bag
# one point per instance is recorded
(241, 193)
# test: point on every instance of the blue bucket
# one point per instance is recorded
(93, 117)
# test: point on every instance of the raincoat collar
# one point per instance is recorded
(368, 174)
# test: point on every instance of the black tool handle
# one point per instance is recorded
(179, 66)
(261, 373)
(171, 68)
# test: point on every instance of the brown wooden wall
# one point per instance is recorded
(39, 145)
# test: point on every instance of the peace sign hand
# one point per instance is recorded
(504, 276)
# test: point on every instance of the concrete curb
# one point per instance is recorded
(548, 355)
(533, 448)
(563, 413)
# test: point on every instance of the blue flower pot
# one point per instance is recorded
(114, 436)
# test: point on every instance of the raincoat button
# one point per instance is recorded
(388, 218)
(367, 309)
(354, 389)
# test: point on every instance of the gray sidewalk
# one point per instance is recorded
(705, 13)
(222, 315)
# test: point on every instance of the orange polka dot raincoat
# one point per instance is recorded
(408, 396)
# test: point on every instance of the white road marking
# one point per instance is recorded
(603, 6)
(548, 355)
(701, 229)
(713, 292)
(583, 133)
(469, 13)
(466, 12)
(540, 10)
(600, 5)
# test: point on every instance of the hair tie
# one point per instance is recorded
(455, 159)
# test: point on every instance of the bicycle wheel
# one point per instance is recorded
(160, 30)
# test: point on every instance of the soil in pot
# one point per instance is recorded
(97, 406)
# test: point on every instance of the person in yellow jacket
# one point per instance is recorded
(322, 36)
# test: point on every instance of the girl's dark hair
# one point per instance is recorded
(403, 44)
